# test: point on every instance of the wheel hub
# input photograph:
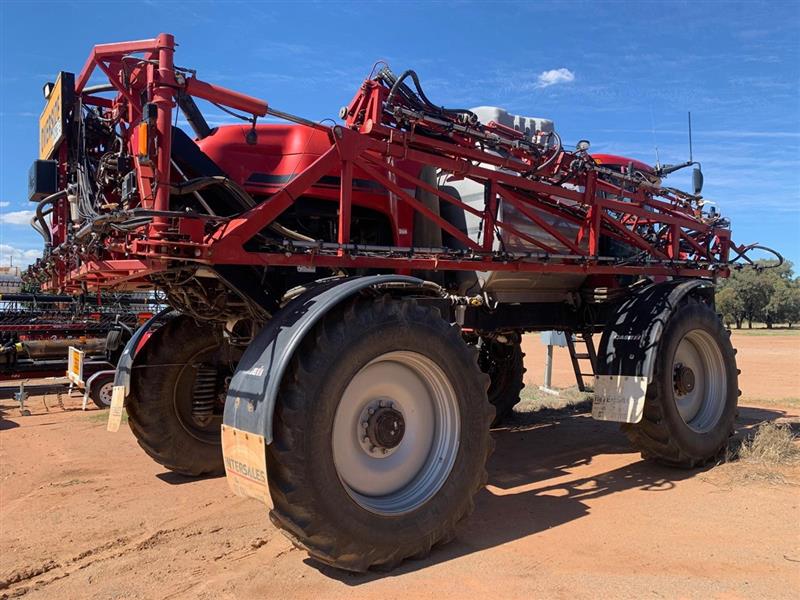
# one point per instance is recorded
(382, 427)
(684, 379)
(385, 428)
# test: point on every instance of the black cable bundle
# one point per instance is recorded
(419, 100)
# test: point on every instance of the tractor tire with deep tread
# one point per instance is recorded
(159, 405)
(505, 365)
(701, 432)
(314, 503)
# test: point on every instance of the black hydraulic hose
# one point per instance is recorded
(741, 254)
(96, 89)
(193, 115)
(243, 197)
(398, 85)
(195, 185)
(555, 154)
(40, 227)
(40, 215)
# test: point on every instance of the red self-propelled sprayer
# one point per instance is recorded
(348, 300)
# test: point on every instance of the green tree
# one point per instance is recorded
(783, 305)
(758, 294)
(730, 306)
(753, 289)
(792, 314)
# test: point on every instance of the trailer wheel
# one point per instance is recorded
(178, 387)
(504, 364)
(102, 389)
(690, 405)
(381, 436)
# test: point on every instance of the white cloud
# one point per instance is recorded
(17, 256)
(554, 76)
(4, 203)
(17, 217)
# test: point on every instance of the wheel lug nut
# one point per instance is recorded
(364, 424)
(371, 411)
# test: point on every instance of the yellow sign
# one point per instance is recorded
(75, 365)
(245, 459)
(52, 121)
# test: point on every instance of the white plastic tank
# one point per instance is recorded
(512, 286)
(529, 126)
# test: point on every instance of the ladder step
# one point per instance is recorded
(588, 354)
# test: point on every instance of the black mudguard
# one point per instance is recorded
(631, 338)
(122, 377)
(253, 391)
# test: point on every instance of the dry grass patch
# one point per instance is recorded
(774, 444)
(533, 399)
(772, 455)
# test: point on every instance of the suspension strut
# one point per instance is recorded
(204, 393)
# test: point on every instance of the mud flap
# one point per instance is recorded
(117, 406)
(246, 464)
(619, 398)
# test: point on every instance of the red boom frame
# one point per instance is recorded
(666, 225)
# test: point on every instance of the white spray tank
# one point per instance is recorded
(510, 286)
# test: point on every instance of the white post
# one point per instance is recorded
(549, 338)
(548, 367)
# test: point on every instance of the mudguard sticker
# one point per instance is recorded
(619, 398)
(245, 458)
(117, 407)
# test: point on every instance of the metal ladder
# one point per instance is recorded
(585, 339)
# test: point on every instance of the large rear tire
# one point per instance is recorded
(177, 395)
(381, 436)
(690, 407)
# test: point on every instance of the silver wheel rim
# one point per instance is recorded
(700, 407)
(106, 392)
(409, 474)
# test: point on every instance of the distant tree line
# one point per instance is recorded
(769, 295)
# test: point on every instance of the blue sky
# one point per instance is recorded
(622, 75)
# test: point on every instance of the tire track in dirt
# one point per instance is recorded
(19, 581)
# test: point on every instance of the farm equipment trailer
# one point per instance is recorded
(36, 331)
(347, 300)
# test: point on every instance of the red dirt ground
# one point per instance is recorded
(569, 512)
